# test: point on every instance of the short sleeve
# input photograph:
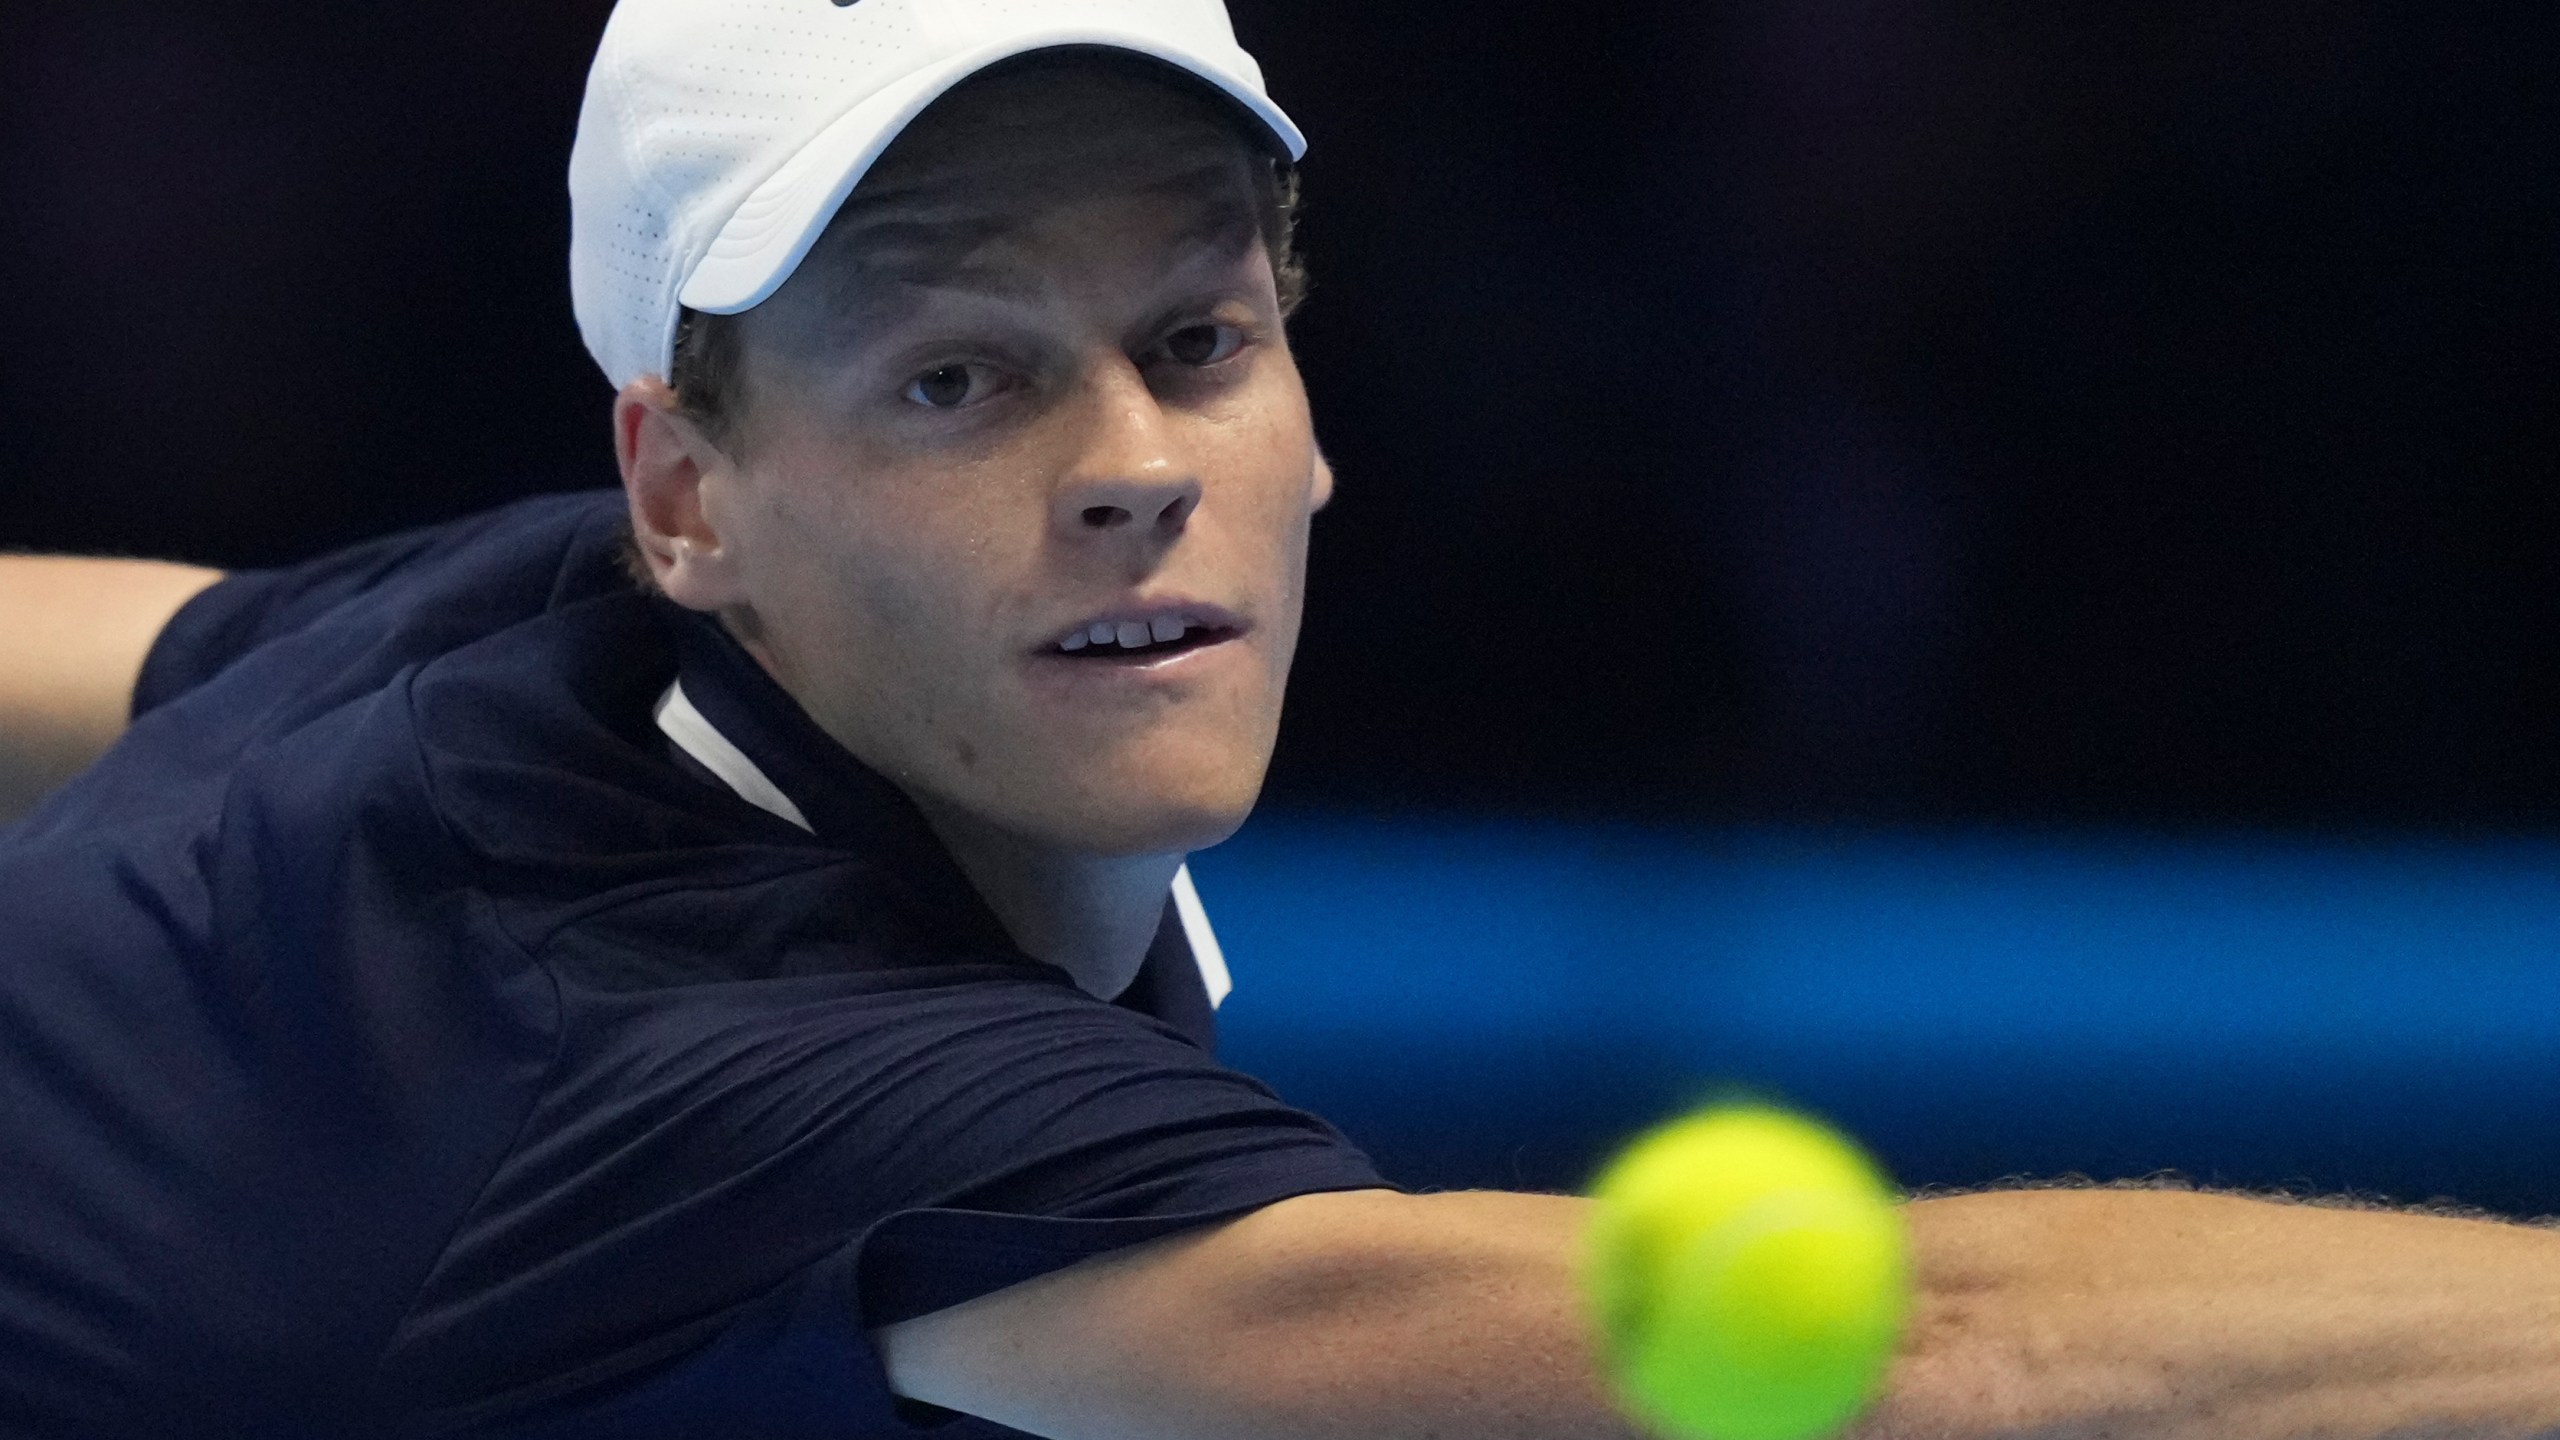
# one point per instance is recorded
(727, 1186)
(439, 564)
(247, 608)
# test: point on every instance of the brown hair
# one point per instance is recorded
(709, 355)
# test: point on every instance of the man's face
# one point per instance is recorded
(1030, 402)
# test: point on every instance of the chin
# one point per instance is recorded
(1137, 818)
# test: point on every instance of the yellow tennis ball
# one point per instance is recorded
(1748, 1272)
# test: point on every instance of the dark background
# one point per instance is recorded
(1918, 412)
(1877, 407)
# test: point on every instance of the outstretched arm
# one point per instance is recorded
(2055, 1314)
(73, 634)
(2075, 1313)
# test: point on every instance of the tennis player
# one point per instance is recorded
(715, 959)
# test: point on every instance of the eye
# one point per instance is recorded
(949, 387)
(1204, 344)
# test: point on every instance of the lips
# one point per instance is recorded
(1146, 632)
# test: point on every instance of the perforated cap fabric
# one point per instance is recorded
(718, 137)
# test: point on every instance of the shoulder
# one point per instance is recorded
(418, 591)
(269, 1039)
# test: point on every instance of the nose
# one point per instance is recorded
(1130, 478)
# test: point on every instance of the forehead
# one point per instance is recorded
(982, 169)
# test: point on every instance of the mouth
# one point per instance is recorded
(1145, 635)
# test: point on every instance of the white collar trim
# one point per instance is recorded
(1204, 941)
(695, 735)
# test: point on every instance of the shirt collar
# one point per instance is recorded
(755, 739)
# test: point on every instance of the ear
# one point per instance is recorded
(667, 463)
(1320, 485)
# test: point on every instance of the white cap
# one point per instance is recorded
(719, 136)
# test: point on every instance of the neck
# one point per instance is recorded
(1093, 916)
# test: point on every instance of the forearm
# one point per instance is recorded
(2164, 1314)
(73, 634)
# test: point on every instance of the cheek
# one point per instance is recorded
(1277, 513)
(876, 609)
(817, 589)
(875, 605)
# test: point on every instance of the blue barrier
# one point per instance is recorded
(1486, 1003)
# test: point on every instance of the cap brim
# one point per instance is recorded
(769, 234)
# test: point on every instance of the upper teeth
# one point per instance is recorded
(1128, 634)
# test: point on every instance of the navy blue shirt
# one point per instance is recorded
(399, 1034)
